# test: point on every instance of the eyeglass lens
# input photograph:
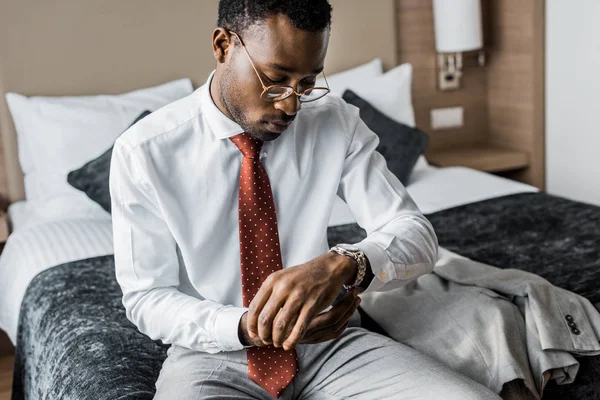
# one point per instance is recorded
(278, 93)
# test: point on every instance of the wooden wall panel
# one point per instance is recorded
(515, 81)
(416, 45)
(503, 101)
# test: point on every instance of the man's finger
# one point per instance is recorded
(306, 315)
(346, 316)
(255, 308)
(329, 318)
(349, 310)
(336, 334)
(267, 315)
(326, 330)
(285, 320)
(335, 314)
(315, 338)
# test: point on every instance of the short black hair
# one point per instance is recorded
(307, 15)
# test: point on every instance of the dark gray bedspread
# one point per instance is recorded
(74, 341)
(550, 236)
(553, 237)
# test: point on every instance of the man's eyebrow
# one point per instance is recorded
(291, 70)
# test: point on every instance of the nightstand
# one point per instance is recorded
(488, 158)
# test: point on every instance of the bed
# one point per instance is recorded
(72, 301)
(59, 301)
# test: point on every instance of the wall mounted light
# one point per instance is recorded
(458, 29)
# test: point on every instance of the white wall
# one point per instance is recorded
(573, 99)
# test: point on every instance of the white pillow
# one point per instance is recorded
(389, 93)
(339, 82)
(56, 135)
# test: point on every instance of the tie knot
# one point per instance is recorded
(249, 147)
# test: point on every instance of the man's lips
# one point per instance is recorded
(281, 123)
(278, 127)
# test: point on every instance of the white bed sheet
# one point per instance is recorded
(435, 189)
(443, 188)
(36, 245)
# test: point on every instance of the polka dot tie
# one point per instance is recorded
(260, 254)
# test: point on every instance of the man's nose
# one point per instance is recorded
(290, 106)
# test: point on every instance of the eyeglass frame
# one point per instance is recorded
(266, 88)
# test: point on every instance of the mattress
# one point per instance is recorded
(37, 244)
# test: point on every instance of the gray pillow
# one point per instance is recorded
(92, 178)
(399, 144)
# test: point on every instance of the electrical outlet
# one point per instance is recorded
(446, 118)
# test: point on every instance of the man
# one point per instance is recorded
(220, 208)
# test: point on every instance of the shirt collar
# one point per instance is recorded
(221, 125)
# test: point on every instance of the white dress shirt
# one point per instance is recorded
(174, 184)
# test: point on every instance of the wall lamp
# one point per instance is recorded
(458, 29)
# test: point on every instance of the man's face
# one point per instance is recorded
(282, 55)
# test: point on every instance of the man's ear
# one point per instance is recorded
(221, 41)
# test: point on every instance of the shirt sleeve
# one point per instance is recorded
(147, 268)
(401, 244)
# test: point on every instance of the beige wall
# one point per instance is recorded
(62, 47)
(74, 47)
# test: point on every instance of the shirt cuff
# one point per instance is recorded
(226, 326)
(378, 260)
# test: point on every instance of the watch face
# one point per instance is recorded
(349, 247)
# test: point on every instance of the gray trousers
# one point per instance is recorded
(360, 365)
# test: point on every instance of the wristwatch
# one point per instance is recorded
(357, 254)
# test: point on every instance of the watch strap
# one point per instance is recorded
(361, 262)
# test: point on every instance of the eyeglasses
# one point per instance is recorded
(275, 93)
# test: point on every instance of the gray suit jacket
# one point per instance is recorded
(493, 325)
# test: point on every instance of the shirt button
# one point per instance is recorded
(572, 324)
(382, 276)
(568, 318)
(575, 331)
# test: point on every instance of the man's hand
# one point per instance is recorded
(289, 299)
(245, 338)
(331, 324)
(325, 326)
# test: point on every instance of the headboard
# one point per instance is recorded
(79, 47)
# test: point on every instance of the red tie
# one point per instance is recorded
(271, 367)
